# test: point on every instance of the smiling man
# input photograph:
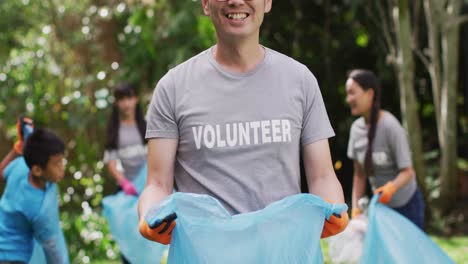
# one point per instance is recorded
(231, 123)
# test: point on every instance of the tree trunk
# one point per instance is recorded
(450, 36)
(408, 104)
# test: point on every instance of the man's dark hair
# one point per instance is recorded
(40, 145)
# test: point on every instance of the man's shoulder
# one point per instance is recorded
(283, 60)
(189, 63)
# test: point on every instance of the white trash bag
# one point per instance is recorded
(347, 246)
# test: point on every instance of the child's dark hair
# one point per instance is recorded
(40, 146)
(122, 90)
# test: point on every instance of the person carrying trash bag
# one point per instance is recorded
(393, 238)
(125, 156)
(121, 212)
(29, 204)
(231, 122)
(379, 147)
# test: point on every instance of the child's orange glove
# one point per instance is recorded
(335, 224)
(386, 192)
(24, 128)
(161, 231)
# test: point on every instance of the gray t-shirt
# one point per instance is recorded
(131, 151)
(239, 134)
(390, 154)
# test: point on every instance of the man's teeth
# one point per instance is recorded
(237, 16)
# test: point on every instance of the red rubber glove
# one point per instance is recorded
(386, 192)
(336, 223)
(24, 128)
(128, 187)
(160, 231)
(355, 212)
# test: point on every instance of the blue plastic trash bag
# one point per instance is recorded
(50, 232)
(121, 212)
(392, 238)
(287, 231)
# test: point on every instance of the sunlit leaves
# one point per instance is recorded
(362, 39)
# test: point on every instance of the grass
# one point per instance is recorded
(455, 247)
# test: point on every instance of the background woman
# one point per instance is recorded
(379, 147)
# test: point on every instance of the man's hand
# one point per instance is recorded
(386, 192)
(128, 187)
(335, 224)
(24, 128)
(161, 231)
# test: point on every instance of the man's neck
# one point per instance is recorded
(239, 57)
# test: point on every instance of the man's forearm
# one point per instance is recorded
(151, 195)
(327, 187)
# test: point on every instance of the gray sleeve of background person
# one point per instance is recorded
(399, 145)
(161, 112)
(110, 154)
(315, 123)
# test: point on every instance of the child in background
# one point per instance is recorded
(29, 204)
(125, 140)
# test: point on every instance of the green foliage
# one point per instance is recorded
(455, 247)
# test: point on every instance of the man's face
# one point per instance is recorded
(236, 18)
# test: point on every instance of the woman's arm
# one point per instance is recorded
(359, 184)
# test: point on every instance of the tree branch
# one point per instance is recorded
(423, 58)
(457, 21)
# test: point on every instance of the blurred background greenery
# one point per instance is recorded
(60, 59)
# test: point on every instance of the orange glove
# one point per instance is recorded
(355, 212)
(334, 225)
(161, 231)
(24, 128)
(386, 192)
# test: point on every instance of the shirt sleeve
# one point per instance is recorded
(315, 123)
(10, 168)
(110, 154)
(400, 146)
(47, 230)
(161, 112)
